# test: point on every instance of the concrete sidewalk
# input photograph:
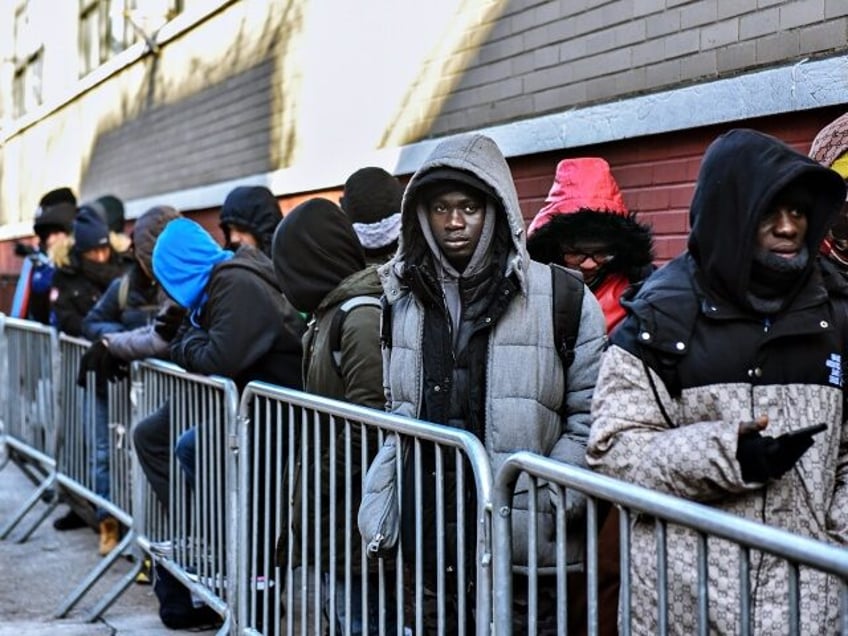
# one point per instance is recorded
(36, 576)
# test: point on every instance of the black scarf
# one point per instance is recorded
(775, 279)
(101, 274)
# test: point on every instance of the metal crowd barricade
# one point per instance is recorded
(30, 360)
(302, 466)
(193, 534)
(77, 462)
(707, 523)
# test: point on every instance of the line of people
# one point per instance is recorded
(436, 301)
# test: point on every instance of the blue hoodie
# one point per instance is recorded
(183, 259)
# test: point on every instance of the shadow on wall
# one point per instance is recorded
(220, 133)
(234, 126)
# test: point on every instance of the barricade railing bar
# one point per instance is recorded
(634, 501)
(193, 533)
(29, 410)
(92, 464)
(322, 571)
(283, 469)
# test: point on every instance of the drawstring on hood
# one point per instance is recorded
(183, 259)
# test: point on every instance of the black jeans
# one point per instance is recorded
(153, 448)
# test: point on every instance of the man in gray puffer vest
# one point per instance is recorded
(463, 283)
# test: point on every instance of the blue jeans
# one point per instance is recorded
(99, 446)
(185, 450)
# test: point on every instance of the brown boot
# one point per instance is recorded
(110, 535)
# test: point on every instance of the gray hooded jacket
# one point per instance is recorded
(529, 403)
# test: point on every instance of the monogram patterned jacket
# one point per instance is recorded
(716, 361)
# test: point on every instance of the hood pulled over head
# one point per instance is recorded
(147, 229)
(183, 259)
(252, 208)
(585, 205)
(470, 160)
(314, 249)
(740, 176)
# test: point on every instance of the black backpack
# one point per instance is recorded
(568, 289)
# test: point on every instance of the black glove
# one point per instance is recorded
(762, 457)
(94, 359)
(115, 369)
(168, 321)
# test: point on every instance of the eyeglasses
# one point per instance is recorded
(578, 258)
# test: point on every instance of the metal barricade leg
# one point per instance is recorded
(31, 501)
(91, 578)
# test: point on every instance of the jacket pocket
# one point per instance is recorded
(379, 511)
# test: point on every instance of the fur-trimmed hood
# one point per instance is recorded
(63, 255)
(585, 203)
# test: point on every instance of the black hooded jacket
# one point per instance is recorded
(255, 209)
(693, 321)
(315, 250)
(248, 330)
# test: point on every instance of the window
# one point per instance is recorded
(29, 62)
(92, 34)
(108, 27)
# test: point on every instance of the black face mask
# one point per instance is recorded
(101, 274)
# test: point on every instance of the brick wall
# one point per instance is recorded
(544, 56)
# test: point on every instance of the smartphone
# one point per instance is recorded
(807, 430)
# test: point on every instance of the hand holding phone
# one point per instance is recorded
(762, 457)
(805, 432)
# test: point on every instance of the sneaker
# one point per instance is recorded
(164, 549)
(144, 575)
(110, 535)
(71, 521)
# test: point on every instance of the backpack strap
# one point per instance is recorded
(338, 321)
(568, 290)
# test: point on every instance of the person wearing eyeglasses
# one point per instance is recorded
(585, 225)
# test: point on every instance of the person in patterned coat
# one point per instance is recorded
(742, 344)
(830, 148)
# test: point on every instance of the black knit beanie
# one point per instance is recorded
(314, 249)
(54, 217)
(59, 195)
(111, 209)
(90, 230)
(371, 200)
